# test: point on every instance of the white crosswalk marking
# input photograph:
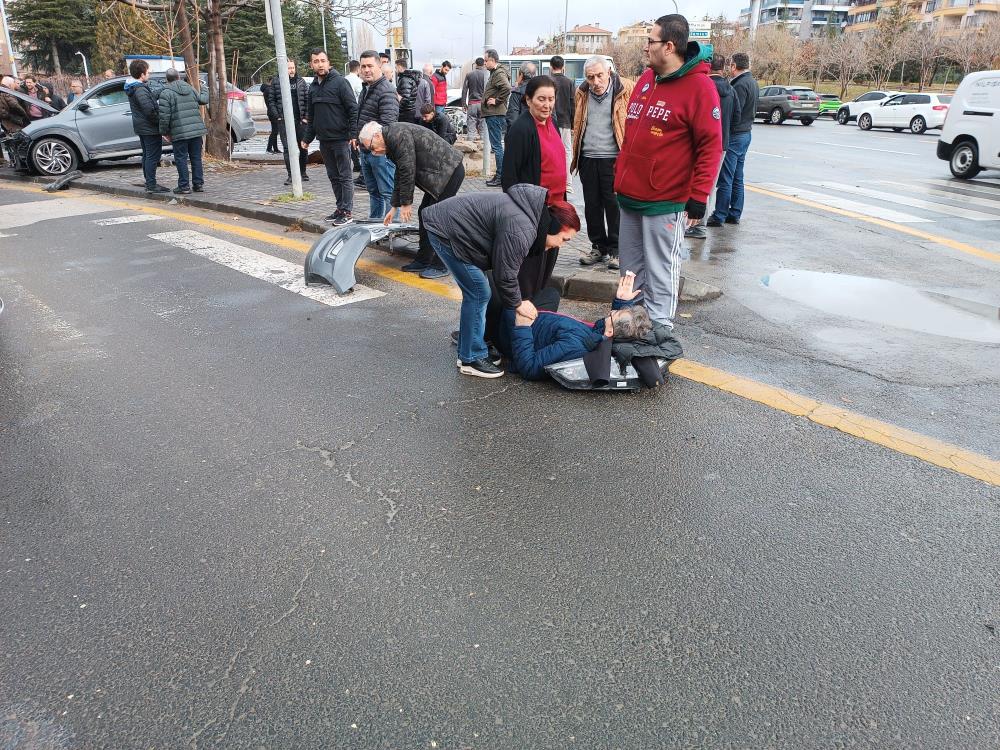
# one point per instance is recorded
(31, 212)
(877, 212)
(262, 266)
(948, 194)
(126, 220)
(975, 187)
(905, 200)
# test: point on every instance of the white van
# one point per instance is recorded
(970, 138)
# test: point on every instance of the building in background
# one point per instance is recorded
(947, 15)
(636, 33)
(804, 18)
(587, 38)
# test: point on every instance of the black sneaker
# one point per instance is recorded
(592, 257)
(613, 264)
(731, 220)
(158, 189)
(334, 216)
(182, 191)
(713, 222)
(494, 182)
(416, 266)
(481, 368)
(305, 177)
(454, 338)
(199, 188)
(288, 181)
(344, 218)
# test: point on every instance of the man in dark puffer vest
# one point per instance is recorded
(180, 121)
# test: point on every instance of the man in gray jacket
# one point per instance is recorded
(181, 123)
(472, 100)
(423, 159)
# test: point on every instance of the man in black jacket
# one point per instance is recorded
(407, 82)
(331, 111)
(142, 100)
(565, 110)
(300, 110)
(378, 103)
(431, 119)
(425, 161)
(729, 195)
(516, 102)
(272, 139)
(727, 108)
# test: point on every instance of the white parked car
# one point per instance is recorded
(849, 111)
(970, 139)
(916, 112)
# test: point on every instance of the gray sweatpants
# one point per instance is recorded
(651, 248)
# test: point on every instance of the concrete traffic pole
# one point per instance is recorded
(273, 8)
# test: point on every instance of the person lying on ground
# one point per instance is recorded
(552, 337)
(475, 232)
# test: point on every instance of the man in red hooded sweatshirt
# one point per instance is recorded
(668, 162)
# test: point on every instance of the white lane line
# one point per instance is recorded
(975, 187)
(764, 153)
(2, 235)
(905, 200)
(53, 329)
(877, 212)
(31, 212)
(942, 193)
(126, 220)
(865, 148)
(262, 266)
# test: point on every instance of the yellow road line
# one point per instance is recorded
(871, 430)
(961, 247)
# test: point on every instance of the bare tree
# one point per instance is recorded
(846, 59)
(774, 50)
(924, 48)
(887, 44)
(728, 38)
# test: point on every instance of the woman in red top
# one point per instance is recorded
(534, 154)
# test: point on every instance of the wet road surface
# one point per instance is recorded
(238, 517)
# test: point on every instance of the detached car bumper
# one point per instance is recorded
(17, 147)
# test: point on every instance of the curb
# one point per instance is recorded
(586, 285)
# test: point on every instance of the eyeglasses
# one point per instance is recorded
(651, 42)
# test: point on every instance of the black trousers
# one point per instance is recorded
(337, 159)
(303, 153)
(426, 253)
(599, 202)
(272, 140)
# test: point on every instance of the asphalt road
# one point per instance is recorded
(237, 517)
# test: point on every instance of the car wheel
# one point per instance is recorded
(53, 157)
(843, 116)
(918, 125)
(806, 121)
(965, 160)
(865, 122)
(776, 117)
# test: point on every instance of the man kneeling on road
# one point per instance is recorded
(425, 160)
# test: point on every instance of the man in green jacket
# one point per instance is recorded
(181, 123)
(494, 108)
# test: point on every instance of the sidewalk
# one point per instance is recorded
(250, 184)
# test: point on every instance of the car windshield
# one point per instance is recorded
(804, 93)
(944, 98)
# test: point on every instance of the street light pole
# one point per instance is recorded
(322, 20)
(86, 71)
(273, 8)
(488, 24)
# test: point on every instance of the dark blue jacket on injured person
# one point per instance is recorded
(552, 338)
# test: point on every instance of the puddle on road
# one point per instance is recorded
(888, 303)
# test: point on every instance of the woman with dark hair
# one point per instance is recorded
(476, 232)
(534, 154)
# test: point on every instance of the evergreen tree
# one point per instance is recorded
(247, 34)
(51, 31)
(123, 30)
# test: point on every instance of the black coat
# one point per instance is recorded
(142, 100)
(265, 90)
(422, 159)
(332, 109)
(441, 124)
(377, 103)
(747, 93)
(565, 101)
(492, 230)
(727, 107)
(300, 98)
(515, 105)
(406, 87)
(522, 159)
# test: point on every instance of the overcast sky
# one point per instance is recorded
(438, 32)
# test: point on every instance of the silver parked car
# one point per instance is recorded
(98, 126)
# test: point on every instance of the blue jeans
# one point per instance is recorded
(475, 297)
(439, 108)
(496, 126)
(379, 174)
(189, 148)
(152, 150)
(729, 194)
